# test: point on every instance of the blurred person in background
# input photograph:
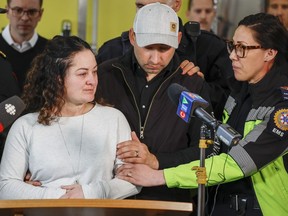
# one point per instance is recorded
(202, 11)
(19, 40)
(278, 8)
(8, 86)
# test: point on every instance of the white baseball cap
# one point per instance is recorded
(156, 24)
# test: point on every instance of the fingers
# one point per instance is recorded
(190, 69)
(36, 183)
(193, 70)
(125, 170)
(124, 167)
(72, 192)
(200, 74)
(134, 137)
(126, 153)
(27, 176)
(142, 175)
(69, 187)
(131, 149)
(184, 64)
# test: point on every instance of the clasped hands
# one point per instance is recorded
(140, 165)
(133, 151)
(73, 191)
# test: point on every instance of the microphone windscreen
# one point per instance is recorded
(3, 10)
(10, 110)
(174, 92)
(193, 28)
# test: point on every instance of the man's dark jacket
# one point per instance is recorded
(172, 140)
(21, 61)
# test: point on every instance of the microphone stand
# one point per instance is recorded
(201, 170)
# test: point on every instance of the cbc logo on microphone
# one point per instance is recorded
(10, 109)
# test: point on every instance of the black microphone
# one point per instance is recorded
(2, 10)
(10, 110)
(190, 104)
(66, 28)
(193, 30)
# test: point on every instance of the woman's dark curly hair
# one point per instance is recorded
(44, 87)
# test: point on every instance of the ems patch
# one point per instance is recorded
(281, 119)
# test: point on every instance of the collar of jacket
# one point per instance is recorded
(269, 84)
(125, 63)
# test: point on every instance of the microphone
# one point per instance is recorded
(66, 28)
(2, 10)
(193, 29)
(190, 105)
(10, 110)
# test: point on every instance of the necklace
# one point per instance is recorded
(75, 169)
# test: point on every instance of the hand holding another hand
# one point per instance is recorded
(73, 192)
(133, 151)
(141, 175)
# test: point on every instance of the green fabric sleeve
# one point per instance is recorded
(219, 169)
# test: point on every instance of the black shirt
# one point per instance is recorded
(146, 89)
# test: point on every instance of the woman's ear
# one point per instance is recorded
(270, 55)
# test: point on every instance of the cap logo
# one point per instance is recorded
(173, 26)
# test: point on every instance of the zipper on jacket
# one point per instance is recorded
(142, 128)
(141, 132)
(134, 99)
(150, 106)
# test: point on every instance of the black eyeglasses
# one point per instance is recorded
(19, 12)
(240, 49)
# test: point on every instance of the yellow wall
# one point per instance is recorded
(55, 11)
(114, 17)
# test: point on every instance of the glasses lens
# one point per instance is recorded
(32, 12)
(240, 51)
(230, 46)
(18, 12)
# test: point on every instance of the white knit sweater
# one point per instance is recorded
(43, 151)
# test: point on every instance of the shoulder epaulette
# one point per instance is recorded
(2, 55)
(284, 90)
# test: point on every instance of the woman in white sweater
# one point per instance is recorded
(67, 140)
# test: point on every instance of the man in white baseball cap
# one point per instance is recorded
(136, 84)
(157, 24)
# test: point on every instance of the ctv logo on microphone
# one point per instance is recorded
(184, 106)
